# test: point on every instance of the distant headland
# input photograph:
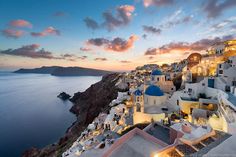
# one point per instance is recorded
(64, 71)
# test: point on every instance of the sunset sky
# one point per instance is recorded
(110, 34)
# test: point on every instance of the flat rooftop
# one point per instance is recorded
(137, 146)
(160, 132)
(135, 143)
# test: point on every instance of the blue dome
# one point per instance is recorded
(156, 72)
(154, 90)
(138, 92)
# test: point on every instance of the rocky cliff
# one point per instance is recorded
(87, 106)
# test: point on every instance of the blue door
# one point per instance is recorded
(211, 83)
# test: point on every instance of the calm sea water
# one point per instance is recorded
(30, 112)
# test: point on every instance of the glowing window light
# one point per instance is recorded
(156, 155)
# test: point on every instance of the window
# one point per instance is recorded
(138, 107)
(191, 110)
(154, 102)
(233, 83)
(220, 71)
(189, 90)
(203, 84)
(138, 99)
(220, 66)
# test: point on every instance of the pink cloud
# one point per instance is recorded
(48, 31)
(20, 23)
(157, 3)
(117, 44)
(85, 49)
(11, 33)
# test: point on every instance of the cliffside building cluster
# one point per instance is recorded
(184, 109)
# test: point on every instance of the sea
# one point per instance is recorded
(31, 115)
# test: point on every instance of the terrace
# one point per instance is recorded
(160, 132)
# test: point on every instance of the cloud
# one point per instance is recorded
(222, 24)
(151, 51)
(29, 51)
(222, 28)
(33, 51)
(173, 46)
(100, 59)
(116, 44)
(11, 33)
(59, 14)
(151, 57)
(85, 49)
(233, 26)
(176, 18)
(157, 3)
(68, 55)
(98, 41)
(83, 57)
(20, 23)
(214, 8)
(48, 31)
(90, 23)
(144, 36)
(123, 17)
(151, 29)
(125, 61)
(185, 47)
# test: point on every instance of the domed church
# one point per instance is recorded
(148, 105)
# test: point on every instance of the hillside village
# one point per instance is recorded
(182, 109)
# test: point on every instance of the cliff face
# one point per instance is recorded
(95, 99)
(87, 106)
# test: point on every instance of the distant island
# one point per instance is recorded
(64, 71)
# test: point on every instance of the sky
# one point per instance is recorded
(116, 35)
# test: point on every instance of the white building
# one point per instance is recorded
(217, 48)
(149, 105)
(227, 76)
(186, 76)
(160, 80)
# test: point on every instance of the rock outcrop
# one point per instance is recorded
(87, 106)
(64, 96)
